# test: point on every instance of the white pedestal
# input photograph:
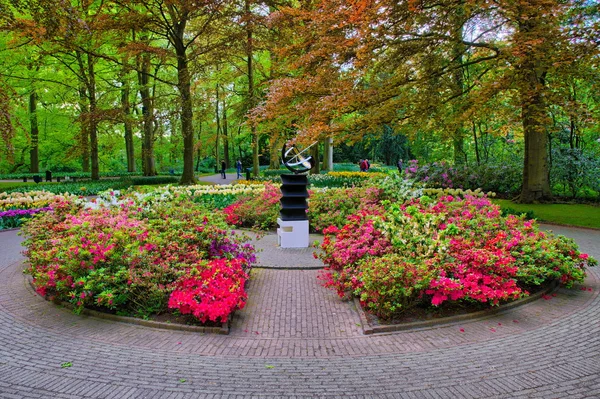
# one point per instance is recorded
(292, 233)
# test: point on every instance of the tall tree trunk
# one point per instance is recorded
(477, 157)
(127, 125)
(93, 119)
(536, 185)
(251, 94)
(314, 153)
(198, 153)
(148, 161)
(458, 50)
(274, 153)
(187, 114)
(218, 136)
(34, 162)
(84, 136)
(328, 154)
(225, 136)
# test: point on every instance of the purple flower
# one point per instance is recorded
(23, 212)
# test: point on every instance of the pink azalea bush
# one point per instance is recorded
(257, 211)
(443, 250)
(131, 259)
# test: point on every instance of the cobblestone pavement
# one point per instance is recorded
(295, 339)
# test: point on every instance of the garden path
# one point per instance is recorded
(295, 339)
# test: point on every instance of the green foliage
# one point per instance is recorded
(511, 211)
(389, 285)
(331, 207)
(150, 180)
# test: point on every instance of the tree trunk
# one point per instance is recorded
(328, 154)
(93, 119)
(127, 127)
(198, 153)
(225, 137)
(187, 115)
(218, 135)
(458, 50)
(534, 115)
(251, 99)
(274, 153)
(34, 163)
(148, 161)
(84, 137)
(477, 157)
(314, 153)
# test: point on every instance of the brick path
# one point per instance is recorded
(296, 339)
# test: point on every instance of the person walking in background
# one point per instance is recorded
(238, 167)
(399, 164)
(362, 165)
(223, 167)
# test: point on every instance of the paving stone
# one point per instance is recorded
(308, 346)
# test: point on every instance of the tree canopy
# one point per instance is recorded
(188, 82)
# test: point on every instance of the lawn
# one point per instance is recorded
(566, 214)
(8, 184)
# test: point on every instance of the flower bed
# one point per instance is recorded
(139, 260)
(434, 252)
(16, 208)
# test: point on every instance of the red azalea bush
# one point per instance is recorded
(211, 290)
(129, 259)
(444, 250)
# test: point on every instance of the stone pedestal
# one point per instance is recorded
(293, 222)
(292, 233)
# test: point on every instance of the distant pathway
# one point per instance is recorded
(296, 339)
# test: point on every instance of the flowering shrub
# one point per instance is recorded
(259, 210)
(16, 208)
(211, 290)
(356, 240)
(28, 200)
(331, 207)
(15, 217)
(126, 258)
(209, 196)
(448, 249)
(503, 179)
(389, 284)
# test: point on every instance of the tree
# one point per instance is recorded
(374, 62)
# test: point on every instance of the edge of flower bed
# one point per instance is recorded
(482, 314)
(222, 330)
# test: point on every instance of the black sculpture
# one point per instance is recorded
(293, 186)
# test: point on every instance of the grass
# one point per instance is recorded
(566, 214)
(34, 186)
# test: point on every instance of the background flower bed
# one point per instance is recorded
(139, 260)
(17, 208)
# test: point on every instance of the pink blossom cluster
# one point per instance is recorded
(211, 290)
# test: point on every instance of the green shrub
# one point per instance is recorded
(154, 180)
(331, 207)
